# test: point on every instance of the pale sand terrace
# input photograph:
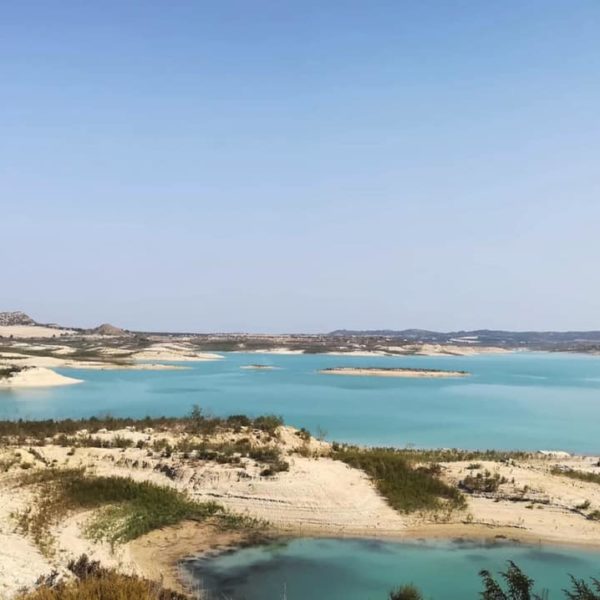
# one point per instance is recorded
(174, 352)
(26, 354)
(32, 331)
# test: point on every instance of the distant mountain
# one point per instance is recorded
(15, 318)
(108, 329)
(480, 337)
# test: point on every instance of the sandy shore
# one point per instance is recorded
(375, 372)
(157, 555)
(36, 377)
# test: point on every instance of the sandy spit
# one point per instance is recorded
(36, 377)
(392, 372)
(284, 351)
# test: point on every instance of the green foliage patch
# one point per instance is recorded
(406, 487)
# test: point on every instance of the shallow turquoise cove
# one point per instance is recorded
(350, 569)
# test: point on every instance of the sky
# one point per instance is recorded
(301, 166)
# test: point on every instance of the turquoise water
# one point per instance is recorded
(522, 400)
(346, 569)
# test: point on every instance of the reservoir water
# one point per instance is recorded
(348, 569)
(521, 400)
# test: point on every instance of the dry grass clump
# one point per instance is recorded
(93, 582)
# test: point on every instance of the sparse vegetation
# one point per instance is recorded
(482, 482)
(513, 584)
(303, 434)
(93, 582)
(580, 475)
(6, 372)
(405, 486)
(197, 422)
(127, 509)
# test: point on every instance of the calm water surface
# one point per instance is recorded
(522, 400)
(343, 569)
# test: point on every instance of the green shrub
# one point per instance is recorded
(482, 482)
(406, 488)
(268, 423)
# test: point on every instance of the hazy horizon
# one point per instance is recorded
(302, 167)
(98, 322)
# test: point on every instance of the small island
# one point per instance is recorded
(259, 367)
(392, 372)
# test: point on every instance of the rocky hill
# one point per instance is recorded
(108, 329)
(15, 318)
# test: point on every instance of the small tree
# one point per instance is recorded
(196, 418)
(518, 585)
(406, 592)
(582, 591)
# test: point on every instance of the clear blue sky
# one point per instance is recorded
(301, 166)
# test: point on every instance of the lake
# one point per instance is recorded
(523, 400)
